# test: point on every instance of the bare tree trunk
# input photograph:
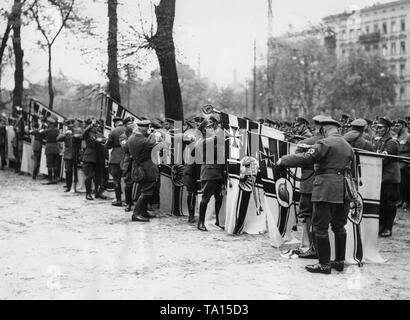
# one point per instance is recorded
(163, 44)
(112, 73)
(18, 54)
(50, 81)
(2, 49)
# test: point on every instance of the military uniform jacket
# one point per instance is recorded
(126, 164)
(306, 184)
(37, 141)
(211, 171)
(51, 135)
(404, 147)
(391, 169)
(89, 136)
(356, 140)
(140, 149)
(330, 156)
(68, 146)
(113, 142)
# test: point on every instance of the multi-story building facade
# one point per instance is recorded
(383, 28)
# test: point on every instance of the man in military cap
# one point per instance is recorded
(116, 157)
(212, 173)
(390, 177)
(403, 137)
(140, 145)
(126, 166)
(355, 135)
(332, 157)
(101, 171)
(52, 149)
(68, 156)
(90, 136)
(306, 188)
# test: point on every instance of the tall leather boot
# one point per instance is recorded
(128, 197)
(311, 252)
(88, 195)
(191, 207)
(117, 202)
(139, 209)
(340, 252)
(323, 251)
(69, 180)
(202, 212)
(55, 175)
(218, 205)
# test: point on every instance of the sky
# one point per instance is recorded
(215, 37)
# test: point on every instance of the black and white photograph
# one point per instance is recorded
(189, 150)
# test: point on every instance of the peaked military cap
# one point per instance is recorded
(318, 118)
(403, 122)
(359, 123)
(329, 121)
(385, 121)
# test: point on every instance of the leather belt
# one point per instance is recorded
(331, 171)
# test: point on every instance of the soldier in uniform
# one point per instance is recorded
(390, 177)
(52, 149)
(36, 146)
(101, 173)
(126, 165)
(140, 146)
(305, 189)
(355, 135)
(212, 174)
(191, 173)
(18, 139)
(116, 157)
(67, 138)
(90, 136)
(332, 157)
(403, 137)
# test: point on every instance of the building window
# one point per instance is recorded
(384, 27)
(375, 47)
(402, 70)
(351, 34)
(344, 35)
(367, 47)
(403, 25)
(343, 53)
(393, 26)
(402, 47)
(402, 92)
(384, 50)
(367, 29)
(359, 32)
(393, 69)
(376, 27)
(393, 49)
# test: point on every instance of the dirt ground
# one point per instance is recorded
(57, 245)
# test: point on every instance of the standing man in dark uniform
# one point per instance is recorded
(90, 156)
(355, 136)
(306, 188)
(116, 157)
(140, 145)
(192, 170)
(390, 177)
(18, 141)
(332, 157)
(68, 158)
(212, 174)
(403, 137)
(52, 149)
(101, 173)
(36, 146)
(126, 165)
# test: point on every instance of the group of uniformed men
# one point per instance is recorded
(324, 152)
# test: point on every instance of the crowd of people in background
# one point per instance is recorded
(125, 154)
